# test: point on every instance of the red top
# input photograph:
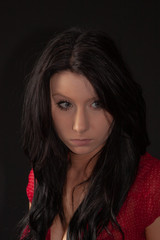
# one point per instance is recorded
(141, 207)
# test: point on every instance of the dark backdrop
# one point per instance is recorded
(25, 27)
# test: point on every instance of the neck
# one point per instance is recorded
(83, 163)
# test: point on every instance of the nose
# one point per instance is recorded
(81, 121)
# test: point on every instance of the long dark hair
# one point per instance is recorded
(93, 54)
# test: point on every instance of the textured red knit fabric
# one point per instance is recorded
(141, 207)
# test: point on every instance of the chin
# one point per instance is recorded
(82, 151)
(79, 152)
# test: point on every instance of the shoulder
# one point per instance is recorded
(149, 172)
(149, 162)
(146, 188)
(30, 186)
(142, 204)
(147, 181)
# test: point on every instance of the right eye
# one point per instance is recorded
(64, 105)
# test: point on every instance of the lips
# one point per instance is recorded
(81, 142)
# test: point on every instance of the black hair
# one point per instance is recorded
(93, 54)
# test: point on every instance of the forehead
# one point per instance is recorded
(72, 85)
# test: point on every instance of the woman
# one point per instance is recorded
(85, 133)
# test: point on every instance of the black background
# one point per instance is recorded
(25, 27)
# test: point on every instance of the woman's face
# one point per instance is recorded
(78, 118)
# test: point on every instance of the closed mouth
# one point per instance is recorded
(81, 142)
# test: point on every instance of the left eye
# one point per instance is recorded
(96, 104)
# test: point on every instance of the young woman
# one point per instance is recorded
(84, 127)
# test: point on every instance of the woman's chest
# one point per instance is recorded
(57, 230)
(71, 201)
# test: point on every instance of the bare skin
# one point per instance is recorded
(153, 230)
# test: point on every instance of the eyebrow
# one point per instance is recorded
(61, 95)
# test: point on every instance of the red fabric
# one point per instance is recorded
(141, 207)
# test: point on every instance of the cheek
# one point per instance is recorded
(103, 124)
(61, 121)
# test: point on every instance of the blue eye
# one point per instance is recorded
(64, 105)
(96, 104)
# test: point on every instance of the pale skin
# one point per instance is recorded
(77, 114)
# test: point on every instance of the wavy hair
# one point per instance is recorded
(93, 54)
